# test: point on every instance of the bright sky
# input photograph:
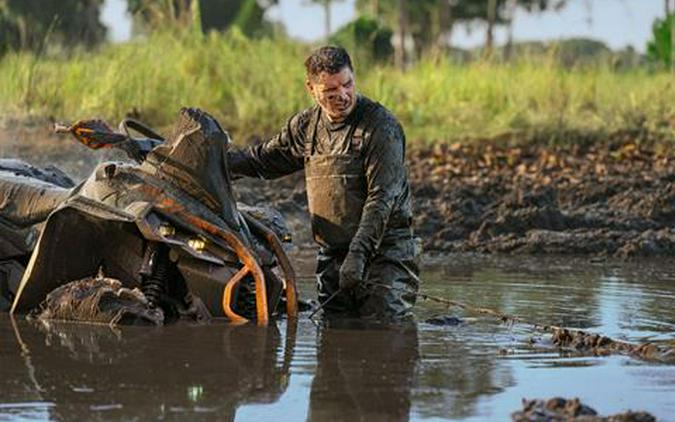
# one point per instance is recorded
(616, 22)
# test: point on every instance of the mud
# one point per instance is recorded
(50, 173)
(445, 320)
(617, 199)
(101, 300)
(571, 410)
(599, 345)
(614, 199)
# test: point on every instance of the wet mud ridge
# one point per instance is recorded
(615, 200)
(558, 409)
(599, 345)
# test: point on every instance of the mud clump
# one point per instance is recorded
(558, 409)
(444, 320)
(99, 299)
(602, 346)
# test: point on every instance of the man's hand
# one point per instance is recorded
(351, 271)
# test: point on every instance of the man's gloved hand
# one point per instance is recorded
(352, 270)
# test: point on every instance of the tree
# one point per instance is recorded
(150, 14)
(430, 22)
(491, 20)
(218, 15)
(403, 22)
(503, 11)
(416, 20)
(660, 47)
(326, 4)
(367, 40)
(672, 43)
(25, 24)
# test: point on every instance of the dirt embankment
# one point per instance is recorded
(617, 199)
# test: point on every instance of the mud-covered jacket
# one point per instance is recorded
(357, 185)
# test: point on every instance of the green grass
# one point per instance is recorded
(253, 86)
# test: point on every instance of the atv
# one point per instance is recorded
(152, 240)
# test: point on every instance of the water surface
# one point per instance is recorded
(477, 371)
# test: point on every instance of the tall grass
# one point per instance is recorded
(253, 86)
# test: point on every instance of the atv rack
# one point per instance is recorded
(247, 258)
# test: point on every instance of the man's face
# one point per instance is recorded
(335, 93)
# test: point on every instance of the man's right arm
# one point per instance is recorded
(281, 155)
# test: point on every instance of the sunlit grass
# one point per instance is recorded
(253, 86)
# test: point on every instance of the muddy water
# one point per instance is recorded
(478, 370)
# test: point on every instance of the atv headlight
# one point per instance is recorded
(166, 230)
(197, 244)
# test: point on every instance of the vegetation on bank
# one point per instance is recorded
(253, 85)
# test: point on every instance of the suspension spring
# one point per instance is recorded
(155, 272)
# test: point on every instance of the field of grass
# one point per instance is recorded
(253, 86)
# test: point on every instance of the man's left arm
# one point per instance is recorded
(385, 177)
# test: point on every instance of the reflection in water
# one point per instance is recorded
(198, 370)
(461, 366)
(364, 372)
(552, 299)
(476, 371)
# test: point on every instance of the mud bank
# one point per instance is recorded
(615, 200)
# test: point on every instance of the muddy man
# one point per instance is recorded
(352, 150)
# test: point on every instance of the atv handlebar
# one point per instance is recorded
(62, 128)
(97, 134)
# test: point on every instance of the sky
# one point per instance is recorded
(618, 23)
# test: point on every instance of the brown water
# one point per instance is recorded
(477, 371)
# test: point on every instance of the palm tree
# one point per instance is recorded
(399, 50)
(491, 18)
(327, 14)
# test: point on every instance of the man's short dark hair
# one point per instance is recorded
(327, 59)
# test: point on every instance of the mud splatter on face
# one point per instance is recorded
(335, 93)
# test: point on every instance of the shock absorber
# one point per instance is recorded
(154, 272)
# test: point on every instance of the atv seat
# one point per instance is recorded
(28, 193)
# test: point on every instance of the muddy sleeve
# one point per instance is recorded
(281, 155)
(385, 176)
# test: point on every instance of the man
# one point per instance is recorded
(352, 150)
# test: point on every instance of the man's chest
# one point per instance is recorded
(347, 140)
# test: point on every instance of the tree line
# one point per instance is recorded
(398, 30)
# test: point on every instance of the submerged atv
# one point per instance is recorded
(162, 238)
